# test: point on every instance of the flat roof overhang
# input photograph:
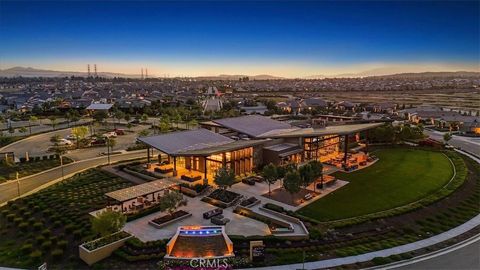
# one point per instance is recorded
(329, 130)
(129, 193)
(240, 144)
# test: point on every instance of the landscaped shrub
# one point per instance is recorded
(46, 233)
(46, 245)
(35, 255)
(23, 226)
(37, 226)
(57, 254)
(62, 244)
(26, 248)
(40, 239)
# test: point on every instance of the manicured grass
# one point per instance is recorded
(401, 176)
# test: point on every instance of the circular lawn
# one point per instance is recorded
(399, 177)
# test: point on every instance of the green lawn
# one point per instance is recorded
(400, 176)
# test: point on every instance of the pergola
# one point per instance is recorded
(131, 193)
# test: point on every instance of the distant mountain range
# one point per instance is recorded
(380, 72)
(33, 72)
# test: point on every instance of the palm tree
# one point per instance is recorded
(111, 142)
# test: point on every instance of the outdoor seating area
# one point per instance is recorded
(136, 198)
(354, 161)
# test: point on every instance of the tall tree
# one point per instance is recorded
(270, 175)
(224, 178)
(171, 201)
(292, 182)
(53, 121)
(317, 170)
(447, 137)
(306, 175)
(80, 133)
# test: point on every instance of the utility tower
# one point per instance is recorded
(88, 70)
(146, 73)
(141, 76)
(95, 68)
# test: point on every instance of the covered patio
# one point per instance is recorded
(136, 198)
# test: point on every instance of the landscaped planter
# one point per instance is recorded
(91, 253)
(166, 220)
(222, 198)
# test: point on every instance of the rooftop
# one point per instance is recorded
(177, 142)
(254, 125)
(130, 193)
(99, 106)
(329, 130)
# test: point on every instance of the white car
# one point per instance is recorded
(64, 142)
(111, 134)
(71, 137)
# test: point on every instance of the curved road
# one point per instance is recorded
(10, 189)
(467, 258)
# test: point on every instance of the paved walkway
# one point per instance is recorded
(467, 226)
(114, 170)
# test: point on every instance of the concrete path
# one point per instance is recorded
(114, 170)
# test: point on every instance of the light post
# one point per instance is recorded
(61, 166)
(18, 184)
(108, 150)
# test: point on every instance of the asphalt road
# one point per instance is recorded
(38, 145)
(467, 257)
(468, 144)
(10, 189)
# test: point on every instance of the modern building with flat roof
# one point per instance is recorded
(246, 143)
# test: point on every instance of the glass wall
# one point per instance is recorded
(240, 161)
(321, 148)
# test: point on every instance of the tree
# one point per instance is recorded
(53, 121)
(144, 133)
(111, 142)
(127, 117)
(270, 175)
(22, 130)
(317, 170)
(447, 137)
(129, 126)
(306, 175)
(80, 133)
(108, 222)
(292, 182)
(164, 124)
(171, 201)
(224, 178)
(59, 150)
(144, 118)
(119, 115)
(33, 119)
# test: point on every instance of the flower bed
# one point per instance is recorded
(168, 219)
(105, 240)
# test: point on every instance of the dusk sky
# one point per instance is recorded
(288, 39)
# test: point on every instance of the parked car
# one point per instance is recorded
(98, 142)
(111, 134)
(119, 131)
(64, 142)
(248, 181)
(220, 220)
(71, 137)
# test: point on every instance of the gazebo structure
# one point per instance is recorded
(141, 196)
